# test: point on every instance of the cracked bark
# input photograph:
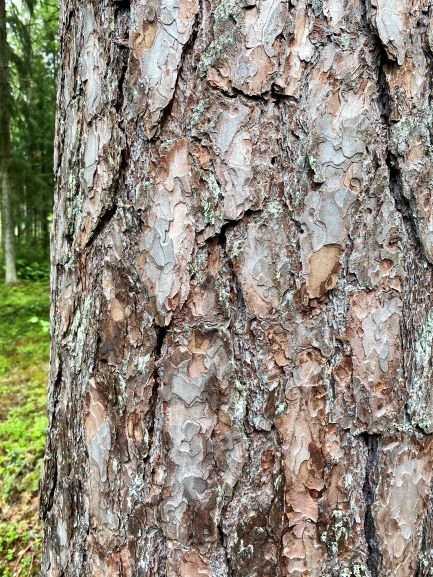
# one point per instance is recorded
(241, 291)
(374, 560)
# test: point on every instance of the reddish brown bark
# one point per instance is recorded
(242, 269)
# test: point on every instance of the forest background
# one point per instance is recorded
(28, 67)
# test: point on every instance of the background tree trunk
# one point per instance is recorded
(5, 154)
(241, 273)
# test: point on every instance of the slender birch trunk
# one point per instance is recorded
(241, 372)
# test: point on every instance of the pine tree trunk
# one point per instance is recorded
(241, 291)
(8, 240)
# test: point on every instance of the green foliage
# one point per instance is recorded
(33, 53)
(19, 550)
(19, 466)
(24, 311)
(24, 352)
(33, 269)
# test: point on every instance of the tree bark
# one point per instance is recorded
(8, 236)
(241, 291)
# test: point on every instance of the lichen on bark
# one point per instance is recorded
(241, 291)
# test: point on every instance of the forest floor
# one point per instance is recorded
(24, 355)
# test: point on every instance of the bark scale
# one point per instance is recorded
(241, 291)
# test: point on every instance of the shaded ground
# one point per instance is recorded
(24, 354)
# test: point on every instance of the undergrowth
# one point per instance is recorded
(24, 353)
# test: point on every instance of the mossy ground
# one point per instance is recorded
(24, 354)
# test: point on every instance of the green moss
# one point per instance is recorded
(23, 327)
(15, 536)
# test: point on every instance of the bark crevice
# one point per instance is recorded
(402, 203)
(220, 234)
(161, 333)
(187, 49)
(50, 477)
(374, 559)
(122, 19)
(102, 223)
(235, 93)
(223, 541)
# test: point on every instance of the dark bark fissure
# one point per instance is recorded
(123, 68)
(220, 238)
(220, 235)
(256, 98)
(47, 493)
(423, 546)
(374, 559)
(385, 106)
(187, 49)
(102, 223)
(282, 104)
(406, 209)
(123, 4)
(223, 540)
(402, 203)
(161, 334)
(49, 481)
(239, 326)
(383, 90)
(121, 57)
